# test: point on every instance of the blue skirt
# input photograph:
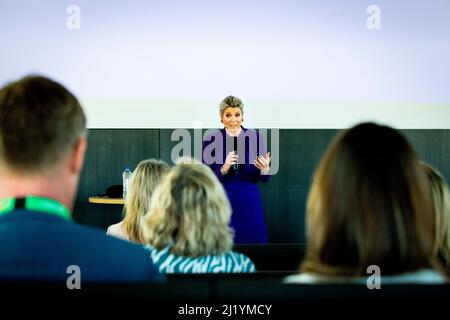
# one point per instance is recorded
(247, 218)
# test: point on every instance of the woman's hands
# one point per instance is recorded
(232, 158)
(263, 163)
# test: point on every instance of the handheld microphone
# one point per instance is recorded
(235, 166)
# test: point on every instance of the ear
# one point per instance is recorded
(77, 156)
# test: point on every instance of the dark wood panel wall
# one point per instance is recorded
(284, 196)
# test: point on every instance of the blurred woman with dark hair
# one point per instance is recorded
(369, 204)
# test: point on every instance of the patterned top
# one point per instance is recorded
(228, 262)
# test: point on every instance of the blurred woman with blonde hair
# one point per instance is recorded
(144, 180)
(186, 228)
(441, 201)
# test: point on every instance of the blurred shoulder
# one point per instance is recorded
(116, 230)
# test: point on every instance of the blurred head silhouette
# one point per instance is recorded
(369, 204)
(147, 175)
(42, 140)
(441, 202)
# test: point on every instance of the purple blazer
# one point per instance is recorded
(247, 218)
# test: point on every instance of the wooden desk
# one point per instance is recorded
(106, 200)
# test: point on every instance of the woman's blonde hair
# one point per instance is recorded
(144, 180)
(369, 204)
(231, 102)
(441, 200)
(190, 212)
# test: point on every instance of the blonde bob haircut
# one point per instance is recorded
(189, 212)
(231, 102)
(441, 201)
(144, 180)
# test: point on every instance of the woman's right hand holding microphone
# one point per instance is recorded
(232, 158)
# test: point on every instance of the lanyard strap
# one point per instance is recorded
(34, 203)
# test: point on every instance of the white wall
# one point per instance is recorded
(117, 113)
(295, 64)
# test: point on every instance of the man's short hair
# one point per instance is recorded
(40, 122)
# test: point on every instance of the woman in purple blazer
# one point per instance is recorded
(238, 157)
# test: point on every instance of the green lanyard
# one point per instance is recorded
(34, 203)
